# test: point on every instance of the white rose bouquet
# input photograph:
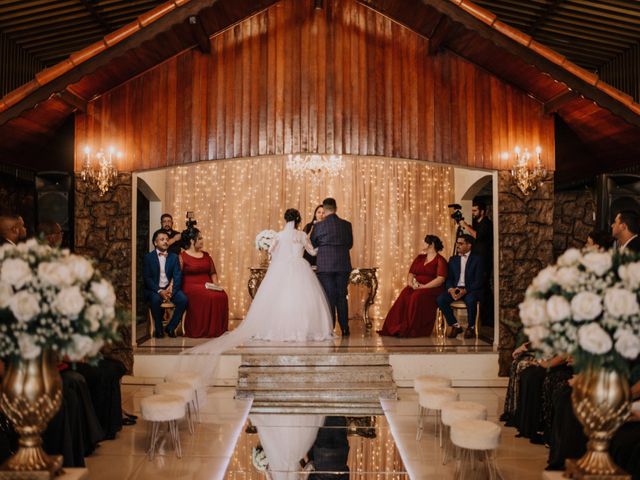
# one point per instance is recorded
(586, 306)
(51, 299)
(259, 459)
(264, 239)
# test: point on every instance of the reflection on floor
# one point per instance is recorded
(212, 449)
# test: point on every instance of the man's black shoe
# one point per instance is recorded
(454, 331)
(171, 333)
(346, 333)
(469, 332)
(158, 334)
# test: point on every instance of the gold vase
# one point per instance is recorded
(264, 258)
(600, 400)
(31, 395)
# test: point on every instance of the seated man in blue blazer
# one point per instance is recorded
(464, 282)
(162, 283)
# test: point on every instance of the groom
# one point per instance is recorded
(333, 238)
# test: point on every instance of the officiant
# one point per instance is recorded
(208, 310)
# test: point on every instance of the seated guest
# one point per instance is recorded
(522, 359)
(464, 282)
(162, 283)
(600, 240)
(51, 232)
(413, 314)
(12, 229)
(625, 229)
(208, 310)
(318, 216)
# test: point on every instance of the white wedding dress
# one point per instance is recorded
(289, 306)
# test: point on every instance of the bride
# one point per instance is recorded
(290, 304)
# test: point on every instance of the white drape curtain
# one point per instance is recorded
(391, 203)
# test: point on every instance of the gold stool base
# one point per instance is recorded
(573, 471)
(54, 469)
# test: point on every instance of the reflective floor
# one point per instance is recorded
(322, 446)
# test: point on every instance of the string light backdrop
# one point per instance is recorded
(391, 203)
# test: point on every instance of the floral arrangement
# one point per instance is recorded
(586, 306)
(264, 239)
(51, 299)
(259, 459)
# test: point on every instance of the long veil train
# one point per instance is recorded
(289, 306)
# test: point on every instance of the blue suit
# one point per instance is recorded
(333, 237)
(473, 281)
(151, 276)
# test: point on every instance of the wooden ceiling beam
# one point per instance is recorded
(96, 16)
(199, 33)
(72, 99)
(438, 37)
(559, 101)
(550, 10)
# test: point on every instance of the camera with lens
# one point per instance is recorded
(456, 212)
(190, 221)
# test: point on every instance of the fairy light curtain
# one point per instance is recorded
(391, 203)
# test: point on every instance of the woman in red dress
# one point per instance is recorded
(208, 310)
(413, 314)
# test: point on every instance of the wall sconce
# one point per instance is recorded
(98, 169)
(527, 177)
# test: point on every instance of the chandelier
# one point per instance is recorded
(527, 177)
(315, 164)
(99, 169)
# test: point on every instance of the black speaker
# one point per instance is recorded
(53, 193)
(616, 192)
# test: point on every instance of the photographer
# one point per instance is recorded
(482, 231)
(175, 239)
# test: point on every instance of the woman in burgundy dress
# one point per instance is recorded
(413, 314)
(208, 310)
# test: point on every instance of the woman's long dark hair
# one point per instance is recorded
(313, 219)
(292, 215)
(435, 241)
(189, 235)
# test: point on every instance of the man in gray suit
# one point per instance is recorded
(333, 238)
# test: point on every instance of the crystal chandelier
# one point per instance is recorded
(315, 164)
(99, 169)
(527, 177)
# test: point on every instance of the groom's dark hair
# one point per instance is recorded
(329, 204)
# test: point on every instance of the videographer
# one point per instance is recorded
(175, 238)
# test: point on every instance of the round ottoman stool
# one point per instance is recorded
(459, 411)
(159, 409)
(183, 390)
(424, 382)
(434, 399)
(191, 378)
(476, 439)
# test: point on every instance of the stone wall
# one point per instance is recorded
(573, 219)
(525, 226)
(103, 232)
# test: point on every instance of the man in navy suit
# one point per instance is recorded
(464, 282)
(333, 238)
(162, 283)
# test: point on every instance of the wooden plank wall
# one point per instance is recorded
(291, 79)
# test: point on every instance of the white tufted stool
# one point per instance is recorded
(183, 390)
(158, 409)
(459, 411)
(424, 382)
(191, 378)
(476, 438)
(434, 399)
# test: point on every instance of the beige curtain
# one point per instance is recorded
(391, 203)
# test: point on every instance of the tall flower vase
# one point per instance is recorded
(600, 400)
(264, 258)
(31, 395)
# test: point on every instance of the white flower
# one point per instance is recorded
(597, 262)
(94, 314)
(16, 272)
(536, 335)
(630, 275)
(567, 277)
(103, 291)
(593, 339)
(545, 279)
(264, 239)
(80, 347)
(95, 349)
(54, 273)
(570, 258)
(24, 306)
(6, 292)
(80, 267)
(586, 306)
(533, 312)
(620, 302)
(627, 343)
(558, 308)
(28, 347)
(69, 302)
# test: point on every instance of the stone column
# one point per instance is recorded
(525, 226)
(103, 232)
(573, 219)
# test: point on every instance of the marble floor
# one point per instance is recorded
(208, 453)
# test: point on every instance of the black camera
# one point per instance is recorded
(456, 212)
(190, 221)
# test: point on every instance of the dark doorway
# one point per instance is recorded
(142, 247)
